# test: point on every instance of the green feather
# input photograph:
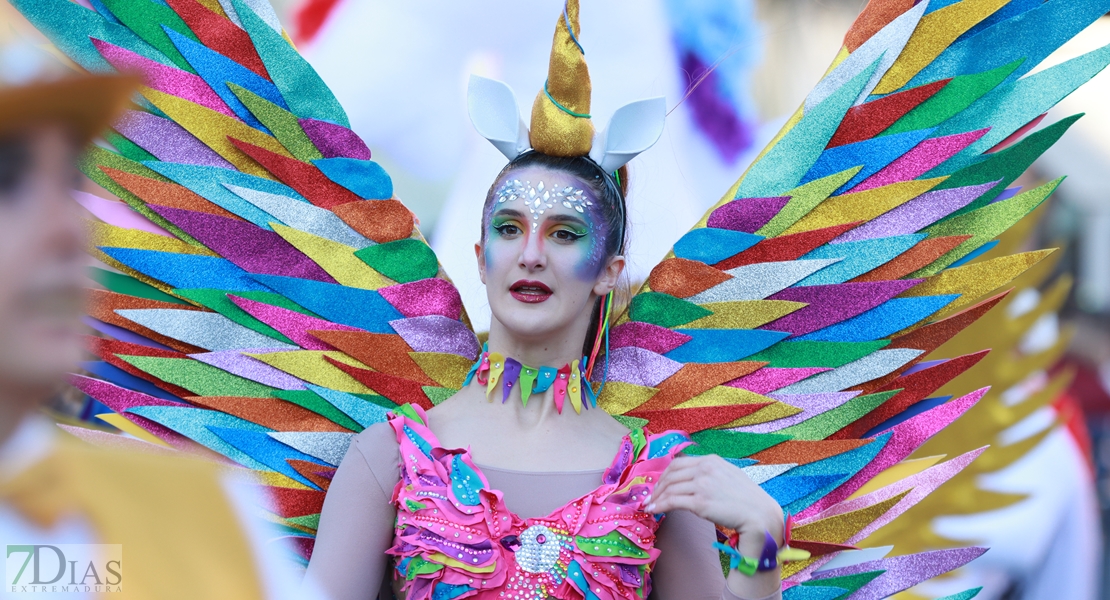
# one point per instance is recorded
(129, 286)
(197, 377)
(793, 355)
(664, 310)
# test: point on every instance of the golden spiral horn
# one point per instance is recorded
(561, 124)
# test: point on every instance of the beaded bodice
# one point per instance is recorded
(455, 538)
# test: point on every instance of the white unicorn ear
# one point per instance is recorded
(634, 128)
(496, 116)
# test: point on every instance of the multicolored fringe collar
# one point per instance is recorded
(567, 383)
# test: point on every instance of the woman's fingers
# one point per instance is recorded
(682, 468)
(690, 502)
(675, 489)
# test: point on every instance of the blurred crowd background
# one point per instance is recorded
(750, 63)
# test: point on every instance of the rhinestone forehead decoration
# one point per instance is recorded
(538, 199)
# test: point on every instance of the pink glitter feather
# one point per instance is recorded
(906, 437)
(425, 297)
(121, 400)
(659, 340)
(169, 80)
(769, 379)
(919, 486)
(921, 159)
(290, 323)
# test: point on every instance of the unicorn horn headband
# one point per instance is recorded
(561, 123)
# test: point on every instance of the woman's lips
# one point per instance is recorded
(532, 292)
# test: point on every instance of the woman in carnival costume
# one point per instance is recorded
(276, 305)
(550, 256)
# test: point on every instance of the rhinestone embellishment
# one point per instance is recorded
(539, 200)
(539, 549)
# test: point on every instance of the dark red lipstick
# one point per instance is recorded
(531, 292)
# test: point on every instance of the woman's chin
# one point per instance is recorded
(532, 330)
(532, 321)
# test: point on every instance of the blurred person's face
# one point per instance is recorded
(41, 263)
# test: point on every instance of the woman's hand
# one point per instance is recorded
(720, 492)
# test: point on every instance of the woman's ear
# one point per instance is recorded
(481, 256)
(610, 275)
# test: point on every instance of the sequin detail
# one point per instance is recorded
(453, 533)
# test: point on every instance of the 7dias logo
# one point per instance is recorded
(90, 568)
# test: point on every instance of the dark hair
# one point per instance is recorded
(608, 189)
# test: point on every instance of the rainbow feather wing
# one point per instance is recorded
(789, 329)
(1026, 347)
(268, 297)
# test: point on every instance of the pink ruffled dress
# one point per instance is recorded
(456, 539)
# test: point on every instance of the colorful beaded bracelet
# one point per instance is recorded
(770, 557)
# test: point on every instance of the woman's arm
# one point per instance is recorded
(688, 567)
(715, 491)
(356, 524)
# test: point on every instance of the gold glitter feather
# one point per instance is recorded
(744, 314)
(862, 206)
(934, 34)
(778, 410)
(337, 259)
(723, 395)
(974, 280)
(215, 128)
(310, 366)
(618, 397)
(104, 235)
(448, 370)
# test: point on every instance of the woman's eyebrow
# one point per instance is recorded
(508, 212)
(569, 219)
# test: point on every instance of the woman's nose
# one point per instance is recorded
(532, 256)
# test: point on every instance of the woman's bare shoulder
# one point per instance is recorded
(611, 424)
(377, 444)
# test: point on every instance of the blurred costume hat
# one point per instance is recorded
(561, 124)
(86, 103)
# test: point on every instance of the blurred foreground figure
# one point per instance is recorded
(78, 521)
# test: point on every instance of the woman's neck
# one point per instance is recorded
(553, 350)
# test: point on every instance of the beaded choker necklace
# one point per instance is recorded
(566, 383)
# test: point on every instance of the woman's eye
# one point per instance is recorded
(507, 229)
(568, 235)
